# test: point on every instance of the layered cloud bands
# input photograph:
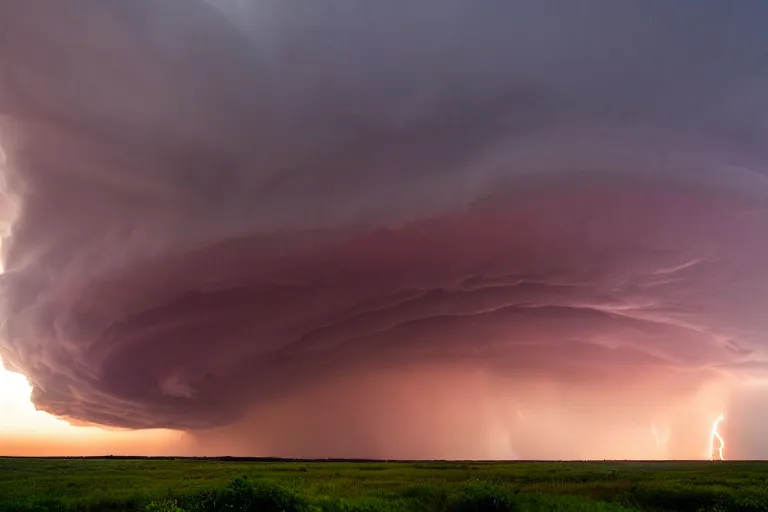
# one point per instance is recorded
(332, 221)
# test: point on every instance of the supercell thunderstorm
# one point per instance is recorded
(322, 222)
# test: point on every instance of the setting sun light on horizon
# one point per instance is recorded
(26, 431)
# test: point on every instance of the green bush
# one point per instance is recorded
(241, 495)
(679, 499)
(484, 498)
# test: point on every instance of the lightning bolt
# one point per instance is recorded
(714, 434)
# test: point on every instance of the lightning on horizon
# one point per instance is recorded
(714, 434)
(655, 435)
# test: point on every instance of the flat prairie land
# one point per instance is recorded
(205, 485)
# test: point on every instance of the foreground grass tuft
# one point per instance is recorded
(166, 505)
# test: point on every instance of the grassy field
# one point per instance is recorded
(156, 485)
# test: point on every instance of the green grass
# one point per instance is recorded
(154, 485)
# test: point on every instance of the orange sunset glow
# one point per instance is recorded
(25, 431)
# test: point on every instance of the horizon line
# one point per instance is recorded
(236, 458)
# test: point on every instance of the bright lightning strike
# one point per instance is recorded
(714, 434)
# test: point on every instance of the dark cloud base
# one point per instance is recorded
(609, 279)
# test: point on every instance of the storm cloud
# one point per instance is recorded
(338, 213)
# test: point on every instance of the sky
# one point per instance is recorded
(431, 229)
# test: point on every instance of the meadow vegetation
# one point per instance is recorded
(194, 485)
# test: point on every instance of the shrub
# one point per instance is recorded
(242, 495)
(679, 499)
(484, 498)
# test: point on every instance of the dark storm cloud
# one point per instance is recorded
(218, 204)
